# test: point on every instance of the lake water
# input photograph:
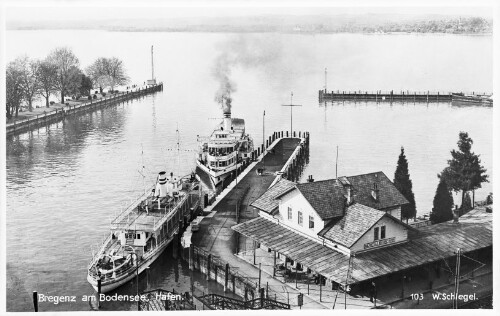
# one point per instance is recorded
(65, 182)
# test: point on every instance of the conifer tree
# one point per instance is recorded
(442, 209)
(403, 183)
(464, 172)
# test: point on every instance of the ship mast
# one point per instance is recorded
(152, 65)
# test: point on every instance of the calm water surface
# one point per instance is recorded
(65, 182)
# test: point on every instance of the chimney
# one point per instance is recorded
(349, 195)
(161, 187)
(310, 179)
(375, 192)
(227, 114)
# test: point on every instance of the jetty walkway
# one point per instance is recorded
(215, 236)
(388, 96)
(44, 116)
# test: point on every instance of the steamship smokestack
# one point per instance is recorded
(226, 110)
(161, 185)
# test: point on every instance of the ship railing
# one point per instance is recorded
(167, 214)
(118, 272)
(101, 250)
(172, 212)
(133, 205)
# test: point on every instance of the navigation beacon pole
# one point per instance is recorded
(263, 136)
(152, 65)
(291, 117)
(326, 71)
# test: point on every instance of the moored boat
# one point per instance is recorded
(226, 150)
(141, 232)
(482, 99)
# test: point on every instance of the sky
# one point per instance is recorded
(44, 10)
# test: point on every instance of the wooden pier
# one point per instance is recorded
(283, 155)
(385, 96)
(59, 114)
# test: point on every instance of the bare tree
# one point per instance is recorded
(14, 89)
(65, 61)
(30, 82)
(97, 73)
(47, 75)
(116, 71)
(107, 72)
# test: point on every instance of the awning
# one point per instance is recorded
(434, 243)
(321, 259)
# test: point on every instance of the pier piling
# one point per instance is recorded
(35, 300)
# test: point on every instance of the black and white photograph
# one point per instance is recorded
(248, 155)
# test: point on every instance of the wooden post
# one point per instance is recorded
(99, 284)
(320, 286)
(274, 263)
(254, 250)
(35, 300)
(260, 273)
(226, 279)
(209, 258)
(233, 279)
(296, 277)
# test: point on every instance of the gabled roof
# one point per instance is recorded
(267, 202)
(356, 222)
(388, 195)
(326, 197)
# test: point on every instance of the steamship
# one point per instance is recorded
(141, 232)
(226, 150)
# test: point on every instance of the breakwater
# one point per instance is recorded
(57, 115)
(386, 96)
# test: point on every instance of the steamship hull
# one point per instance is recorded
(108, 286)
(461, 98)
(226, 150)
(141, 233)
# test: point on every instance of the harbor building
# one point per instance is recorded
(348, 233)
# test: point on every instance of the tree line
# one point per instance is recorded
(59, 73)
(464, 174)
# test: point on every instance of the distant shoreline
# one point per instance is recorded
(167, 30)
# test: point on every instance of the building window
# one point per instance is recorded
(290, 213)
(375, 233)
(137, 236)
(300, 218)
(311, 222)
(382, 232)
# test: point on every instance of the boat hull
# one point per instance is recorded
(111, 285)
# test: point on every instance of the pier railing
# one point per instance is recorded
(399, 95)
